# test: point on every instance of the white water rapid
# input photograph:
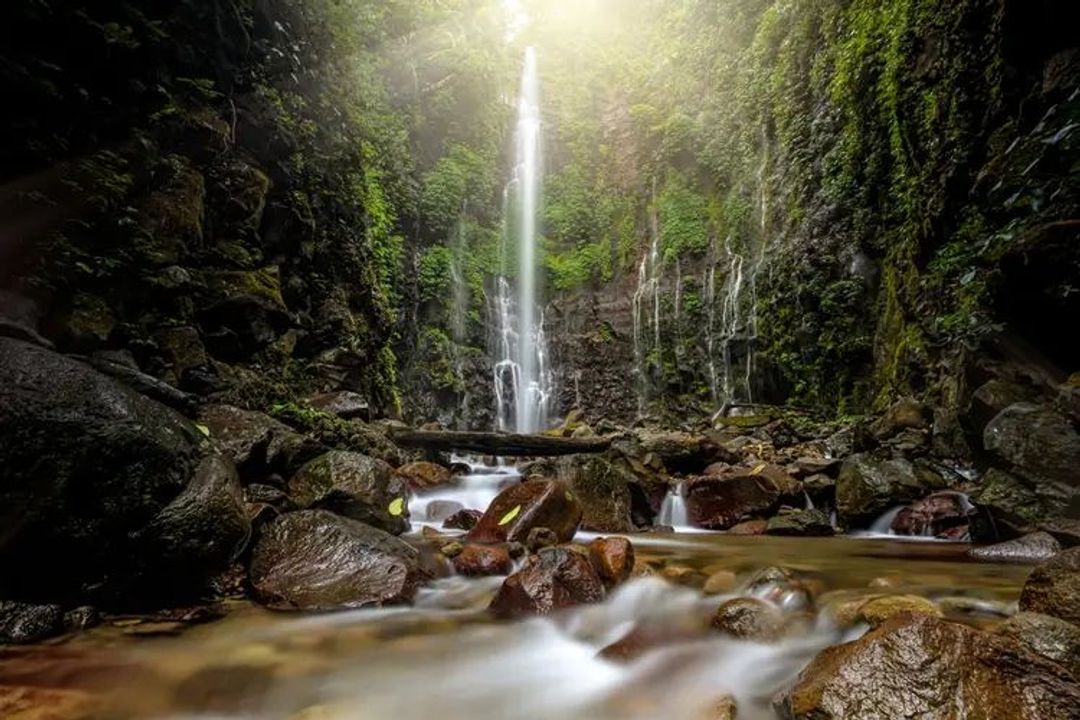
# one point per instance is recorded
(523, 380)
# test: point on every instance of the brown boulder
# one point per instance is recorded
(613, 559)
(717, 503)
(477, 560)
(423, 475)
(932, 515)
(919, 666)
(520, 508)
(315, 560)
(1051, 637)
(1053, 588)
(257, 444)
(355, 486)
(555, 578)
(1028, 549)
(602, 489)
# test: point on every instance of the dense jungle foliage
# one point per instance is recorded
(261, 197)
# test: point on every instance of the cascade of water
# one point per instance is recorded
(647, 291)
(673, 511)
(678, 287)
(523, 381)
(710, 322)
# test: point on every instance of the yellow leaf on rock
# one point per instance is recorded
(510, 515)
(758, 469)
(397, 506)
(203, 429)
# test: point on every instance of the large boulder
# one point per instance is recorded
(1039, 443)
(800, 523)
(423, 475)
(533, 504)
(316, 560)
(553, 579)
(96, 483)
(22, 623)
(869, 485)
(1051, 637)
(719, 502)
(1053, 588)
(919, 666)
(1007, 506)
(356, 486)
(1028, 549)
(602, 489)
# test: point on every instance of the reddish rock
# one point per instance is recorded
(477, 560)
(749, 527)
(613, 559)
(520, 508)
(424, 475)
(463, 520)
(554, 579)
(541, 537)
(717, 503)
(933, 515)
(921, 666)
(1053, 588)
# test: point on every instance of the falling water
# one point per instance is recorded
(646, 297)
(523, 385)
(673, 512)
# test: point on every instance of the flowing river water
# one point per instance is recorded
(645, 652)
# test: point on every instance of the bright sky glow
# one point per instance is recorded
(517, 18)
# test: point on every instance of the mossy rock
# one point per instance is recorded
(264, 283)
(171, 218)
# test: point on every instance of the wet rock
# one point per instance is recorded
(683, 575)
(868, 486)
(876, 611)
(1040, 443)
(749, 527)
(802, 523)
(266, 494)
(346, 404)
(258, 444)
(904, 414)
(355, 486)
(88, 464)
(520, 508)
(1010, 507)
(749, 619)
(452, 549)
(1032, 548)
(540, 537)
(932, 515)
(719, 582)
(478, 560)
(1053, 588)
(22, 623)
(717, 503)
(315, 560)
(205, 526)
(463, 520)
(922, 666)
(602, 489)
(424, 475)
(1050, 637)
(613, 559)
(83, 617)
(554, 579)
(991, 398)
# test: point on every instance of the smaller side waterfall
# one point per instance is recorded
(646, 306)
(673, 511)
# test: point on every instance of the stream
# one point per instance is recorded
(645, 652)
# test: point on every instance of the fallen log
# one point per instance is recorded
(501, 444)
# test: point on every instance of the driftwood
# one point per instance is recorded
(493, 443)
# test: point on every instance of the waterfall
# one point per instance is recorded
(459, 314)
(523, 384)
(646, 297)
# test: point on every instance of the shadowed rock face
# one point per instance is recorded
(315, 560)
(922, 666)
(520, 508)
(868, 486)
(89, 470)
(718, 503)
